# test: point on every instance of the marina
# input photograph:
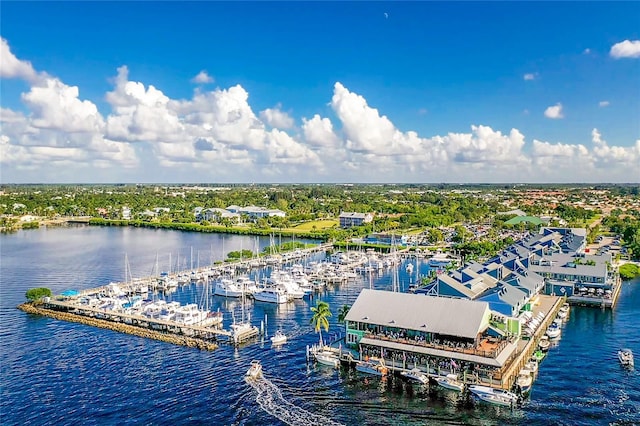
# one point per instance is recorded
(279, 318)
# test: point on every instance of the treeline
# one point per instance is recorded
(628, 227)
(196, 227)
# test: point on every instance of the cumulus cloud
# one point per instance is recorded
(319, 132)
(12, 67)
(606, 155)
(625, 49)
(202, 78)
(530, 76)
(216, 135)
(554, 111)
(603, 104)
(57, 106)
(275, 117)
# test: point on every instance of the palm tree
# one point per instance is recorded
(321, 313)
(342, 313)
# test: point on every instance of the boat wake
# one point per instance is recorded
(271, 400)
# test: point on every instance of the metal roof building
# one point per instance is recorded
(439, 315)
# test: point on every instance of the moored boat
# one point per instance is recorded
(553, 331)
(373, 366)
(451, 382)
(544, 343)
(327, 358)
(494, 396)
(496, 400)
(417, 375)
(524, 381)
(626, 357)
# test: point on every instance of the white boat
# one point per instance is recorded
(271, 294)
(496, 400)
(278, 338)
(532, 365)
(227, 288)
(525, 380)
(327, 358)
(451, 382)
(544, 343)
(417, 375)
(373, 366)
(440, 259)
(553, 331)
(255, 370)
(494, 396)
(626, 357)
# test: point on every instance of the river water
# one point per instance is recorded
(54, 372)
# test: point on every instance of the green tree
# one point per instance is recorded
(37, 293)
(342, 313)
(320, 318)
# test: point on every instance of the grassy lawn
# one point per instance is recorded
(319, 225)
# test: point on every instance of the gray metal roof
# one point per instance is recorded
(453, 317)
(560, 265)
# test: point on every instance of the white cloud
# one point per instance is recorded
(530, 76)
(57, 106)
(319, 132)
(215, 135)
(603, 104)
(625, 49)
(275, 117)
(202, 78)
(12, 67)
(607, 156)
(554, 112)
(586, 51)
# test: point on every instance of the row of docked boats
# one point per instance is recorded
(283, 285)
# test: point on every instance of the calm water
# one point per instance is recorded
(55, 372)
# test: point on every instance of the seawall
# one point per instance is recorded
(119, 327)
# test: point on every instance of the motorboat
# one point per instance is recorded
(416, 375)
(255, 370)
(278, 338)
(524, 380)
(538, 356)
(451, 382)
(544, 343)
(626, 357)
(271, 294)
(326, 357)
(494, 396)
(553, 331)
(532, 365)
(225, 287)
(496, 399)
(373, 366)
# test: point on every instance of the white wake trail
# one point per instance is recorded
(271, 400)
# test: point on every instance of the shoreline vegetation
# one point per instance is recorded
(473, 220)
(221, 229)
(191, 342)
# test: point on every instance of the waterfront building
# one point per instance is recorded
(441, 334)
(255, 212)
(349, 219)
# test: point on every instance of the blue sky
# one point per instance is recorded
(320, 92)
